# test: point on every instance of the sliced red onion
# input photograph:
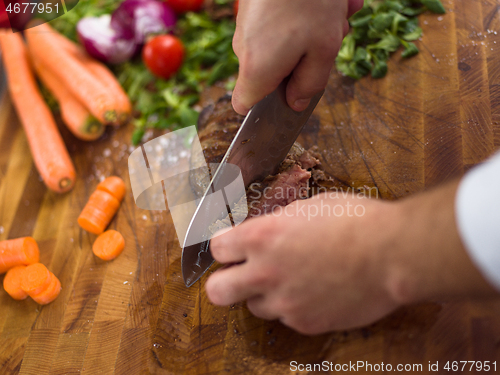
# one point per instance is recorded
(139, 18)
(104, 43)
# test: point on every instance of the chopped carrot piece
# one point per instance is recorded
(113, 185)
(109, 245)
(12, 283)
(36, 279)
(50, 293)
(17, 252)
(98, 212)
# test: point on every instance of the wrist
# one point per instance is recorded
(428, 260)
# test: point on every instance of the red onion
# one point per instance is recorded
(139, 18)
(104, 43)
(16, 21)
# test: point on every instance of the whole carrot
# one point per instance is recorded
(47, 147)
(45, 44)
(107, 78)
(76, 117)
(17, 252)
(12, 283)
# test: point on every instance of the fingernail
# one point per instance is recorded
(301, 104)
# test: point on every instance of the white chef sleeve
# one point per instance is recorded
(477, 209)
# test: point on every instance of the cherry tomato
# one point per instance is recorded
(163, 55)
(183, 6)
(236, 6)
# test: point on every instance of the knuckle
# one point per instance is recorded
(260, 235)
(327, 50)
(259, 279)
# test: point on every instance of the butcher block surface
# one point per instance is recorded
(430, 120)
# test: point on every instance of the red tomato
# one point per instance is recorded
(236, 6)
(163, 55)
(183, 6)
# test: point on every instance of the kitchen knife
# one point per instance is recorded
(262, 142)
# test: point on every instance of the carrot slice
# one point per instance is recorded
(107, 78)
(98, 212)
(50, 293)
(113, 185)
(36, 279)
(12, 283)
(76, 117)
(16, 252)
(108, 245)
(47, 147)
(44, 43)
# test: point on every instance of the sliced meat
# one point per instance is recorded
(217, 127)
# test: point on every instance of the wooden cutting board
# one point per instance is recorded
(431, 119)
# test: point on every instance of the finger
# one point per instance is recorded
(231, 285)
(261, 308)
(249, 91)
(346, 28)
(225, 246)
(259, 75)
(354, 6)
(310, 76)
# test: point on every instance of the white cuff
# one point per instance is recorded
(477, 210)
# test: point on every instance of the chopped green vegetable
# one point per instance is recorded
(379, 29)
(410, 49)
(435, 6)
(159, 103)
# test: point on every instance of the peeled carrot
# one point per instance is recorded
(87, 88)
(12, 283)
(50, 293)
(36, 279)
(108, 245)
(113, 185)
(98, 212)
(17, 252)
(76, 117)
(107, 78)
(47, 147)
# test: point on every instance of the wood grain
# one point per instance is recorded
(431, 119)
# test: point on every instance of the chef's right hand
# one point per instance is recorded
(276, 38)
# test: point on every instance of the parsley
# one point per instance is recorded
(380, 28)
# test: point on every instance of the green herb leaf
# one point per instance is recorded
(414, 35)
(435, 6)
(410, 50)
(389, 43)
(412, 12)
(380, 69)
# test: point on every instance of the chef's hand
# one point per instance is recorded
(275, 38)
(317, 272)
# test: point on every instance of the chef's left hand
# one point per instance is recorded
(314, 272)
(332, 263)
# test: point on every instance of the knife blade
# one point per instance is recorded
(262, 142)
